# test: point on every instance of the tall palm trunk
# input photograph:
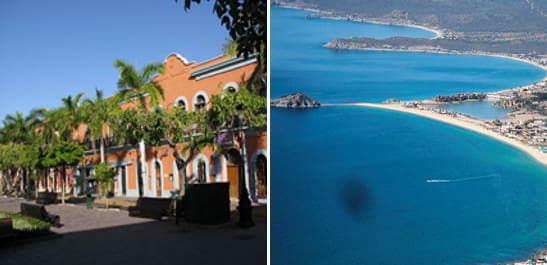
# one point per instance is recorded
(143, 172)
(101, 143)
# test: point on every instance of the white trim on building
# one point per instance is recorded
(195, 98)
(183, 99)
(163, 192)
(195, 164)
(231, 85)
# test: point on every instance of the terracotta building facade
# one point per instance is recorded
(187, 85)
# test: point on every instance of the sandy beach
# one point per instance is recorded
(536, 64)
(463, 122)
(438, 33)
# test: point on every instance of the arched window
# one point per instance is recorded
(200, 101)
(202, 167)
(181, 102)
(158, 177)
(231, 87)
(261, 177)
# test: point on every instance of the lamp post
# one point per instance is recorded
(245, 208)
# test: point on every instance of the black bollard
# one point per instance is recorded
(245, 210)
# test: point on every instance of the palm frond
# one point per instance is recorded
(150, 70)
(129, 78)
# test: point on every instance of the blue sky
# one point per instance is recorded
(50, 49)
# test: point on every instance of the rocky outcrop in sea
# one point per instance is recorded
(294, 100)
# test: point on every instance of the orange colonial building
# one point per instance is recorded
(187, 85)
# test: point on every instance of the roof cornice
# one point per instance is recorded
(223, 66)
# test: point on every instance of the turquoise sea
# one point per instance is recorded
(353, 185)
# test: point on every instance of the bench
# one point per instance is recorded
(154, 208)
(39, 212)
(6, 230)
(46, 197)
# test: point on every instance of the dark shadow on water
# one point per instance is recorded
(354, 198)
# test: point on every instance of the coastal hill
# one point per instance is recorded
(456, 15)
(501, 26)
(294, 100)
(445, 46)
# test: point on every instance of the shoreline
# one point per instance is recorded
(462, 122)
(438, 33)
(488, 54)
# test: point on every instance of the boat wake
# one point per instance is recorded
(460, 179)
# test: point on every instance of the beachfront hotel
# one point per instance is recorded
(187, 85)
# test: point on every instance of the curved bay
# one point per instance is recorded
(350, 184)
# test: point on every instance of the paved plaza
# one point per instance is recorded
(98, 236)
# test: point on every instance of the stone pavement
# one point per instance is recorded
(100, 236)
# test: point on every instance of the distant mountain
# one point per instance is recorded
(455, 15)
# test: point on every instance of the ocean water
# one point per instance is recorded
(299, 63)
(354, 185)
(482, 110)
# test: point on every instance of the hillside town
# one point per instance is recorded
(527, 123)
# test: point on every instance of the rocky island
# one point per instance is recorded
(294, 100)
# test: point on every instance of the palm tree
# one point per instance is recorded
(140, 85)
(229, 49)
(73, 112)
(97, 116)
(69, 117)
(18, 128)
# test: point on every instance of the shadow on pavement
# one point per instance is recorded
(150, 242)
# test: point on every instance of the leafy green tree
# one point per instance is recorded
(18, 160)
(233, 112)
(246, 22)
(182, 127)
(20, 128)
(35, 155)
(105, 176)
(63, 154)
(9, 157)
